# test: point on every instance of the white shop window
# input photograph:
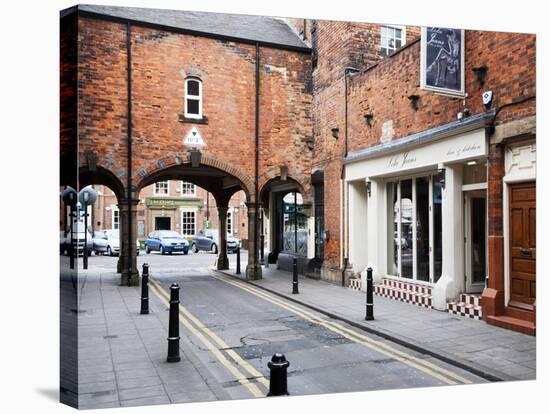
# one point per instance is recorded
(193, 98)
(161, 188)
(188, 222)
(414, 228)
(392, 38)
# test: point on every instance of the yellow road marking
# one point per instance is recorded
(417, 363)
(221, 343)
(253, 388)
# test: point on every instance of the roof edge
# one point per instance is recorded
(103, 16)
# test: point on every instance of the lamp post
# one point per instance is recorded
(87, 196)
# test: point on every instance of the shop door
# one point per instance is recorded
(475, 239)
(523, 248)
(162, 223)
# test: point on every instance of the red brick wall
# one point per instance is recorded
(228, 71)
(384, 89)
(338, 45)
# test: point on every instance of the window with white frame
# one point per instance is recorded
(115, 218)
(188, 189)
(193, 98)
(391, 39)
(229, 222)
(161, 188)
(188, 222)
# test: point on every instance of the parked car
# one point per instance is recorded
(108, 241)
(166, 241)
(78, 240)
(207, 240)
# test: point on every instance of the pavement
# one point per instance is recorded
(490, 352)
(122, 354)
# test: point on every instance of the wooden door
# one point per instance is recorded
(523, 248)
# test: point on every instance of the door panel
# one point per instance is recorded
(523, 252)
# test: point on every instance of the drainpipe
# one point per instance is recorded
(257, 153)
(129, 129)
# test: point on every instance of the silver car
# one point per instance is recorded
(108, 241)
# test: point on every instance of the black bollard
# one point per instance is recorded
(262, 249)
(238, 271)
(174, 325)
(370, 305)
(277, 375)
(145, 290)
(295, 276)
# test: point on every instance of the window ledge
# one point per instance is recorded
(187, 120)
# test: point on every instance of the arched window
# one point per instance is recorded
(193, 98)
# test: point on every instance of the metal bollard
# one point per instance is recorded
(277, 375)
(174, 325)
(370, 305)
(295, 276)
(145, 290)
(238, 271)
(262, 261)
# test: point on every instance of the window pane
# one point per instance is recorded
(188, 223)
(478, 215)
(423, 229)
(393, 209)
(437, 228)
(406, 229)
(193, 87)
(192, 106)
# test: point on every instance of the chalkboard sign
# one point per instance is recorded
(442, 60)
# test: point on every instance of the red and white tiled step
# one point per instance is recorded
(466, 305)
(355, 284)
(407, 292)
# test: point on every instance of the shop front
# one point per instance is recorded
(418, 211)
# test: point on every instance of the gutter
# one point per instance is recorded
(257, 152)
(129, 158)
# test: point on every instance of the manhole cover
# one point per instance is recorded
(110, 336)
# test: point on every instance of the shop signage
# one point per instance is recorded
(460, 148)
(168, 202)
(442, 60)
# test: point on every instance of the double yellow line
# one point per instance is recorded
(442, 374)
(197, 328)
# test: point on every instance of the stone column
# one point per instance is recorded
(129, 270)
(253, 269)
(451, 282)
(122, 256)
(223, 260)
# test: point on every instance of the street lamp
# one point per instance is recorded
(87, 196)
(70, 197)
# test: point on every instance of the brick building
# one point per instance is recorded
(172, 205)
(351, 149)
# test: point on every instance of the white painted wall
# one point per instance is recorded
(358, 232)
(451, 282)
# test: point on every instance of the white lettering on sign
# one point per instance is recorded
(193, 139)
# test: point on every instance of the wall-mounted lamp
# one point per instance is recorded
(441, 176)
(368, 184)
(481, 74)
(335, 132)
(413, 99)
(369, 118)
